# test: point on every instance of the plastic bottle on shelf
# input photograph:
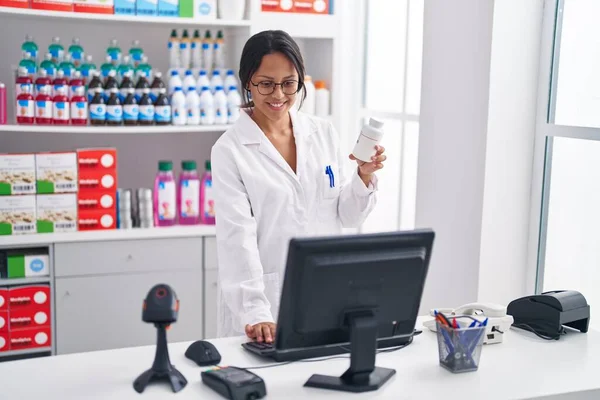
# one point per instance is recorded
(165, 196)
(157, 84)
(97, 108)
(75, 83)
(3, 104)
(125, 67)
(107, 67)
(145, 68)
(23, 78)
(31, 47)
(146, 107)
(114, 52)
(189, 81)
(192, 104)
(216, 80)
(207, 107)
(207, 200)
(94, 83)
(43, 80)
(49, 66)
(321, 99)
(188, 194)
(207, 51)
(57, 50)
(126, 84)
(178, 107)
(196, 52)
(174, 81)
(25, 106)
(173, 46)
(230, 80)
(162, 108)
(185, 50)
(59, 82)
(131, 109)
(79, 107)
(114, 108)
(218, 51)
(202, 81)
(136, 53)
(309, 103)
(76, 53)
(234, 102)
(43, 106)
(221, 110)
(370, 136)
(111, 83)
(87, 67)
(60, 106)
(28, 63)
(67, 66)
(141, 84)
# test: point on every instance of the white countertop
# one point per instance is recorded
(177, 231)
(523, 367)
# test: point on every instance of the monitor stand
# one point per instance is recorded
(363, 375)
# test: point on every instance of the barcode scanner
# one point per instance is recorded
(161, 308)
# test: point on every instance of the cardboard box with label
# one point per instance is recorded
(29, 296)
(94, 6)
(198, 9)
(56, 172)
(146, 8)
(4, 341)
(97, 159)
(4, 322)
(52, 5)
(14, 4)
(26, 318)
(37, 337)
(23, 264)
(17, 174)
(91, 200)
(3, 298)
(57, 213)
(97, 220)
(124, 7)
(17, 215)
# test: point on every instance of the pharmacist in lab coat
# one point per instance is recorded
(277, 174)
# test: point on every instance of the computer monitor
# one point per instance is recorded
(353, 289)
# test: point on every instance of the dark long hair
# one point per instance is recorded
(269, 42)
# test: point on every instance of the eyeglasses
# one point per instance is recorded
(268, 87)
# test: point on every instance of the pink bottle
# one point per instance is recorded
(3, 104)
(188, 194)
(59, 81)
(61, 114)
(79, 107)
(207, 200)
(165, 196)
(75, 82)
(43, 107)
(43, 80)
(25, 106)
(23, 78)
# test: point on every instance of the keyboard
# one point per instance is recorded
(262, 348)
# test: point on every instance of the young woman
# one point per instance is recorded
(277, 174)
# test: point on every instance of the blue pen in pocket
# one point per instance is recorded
(329, 172)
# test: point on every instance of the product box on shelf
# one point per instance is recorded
(97, 159)
(56, 213)
(98, 181)
(277, 5)
(22, 339)
(25, 318)
(28, 296)
(52, 5)
(4, 322)
(3, 299)
(23, 264)
(94, 6)
(198, 9)
(17, 215)
(56, 172)
(146, 8)
(94, 220)
(4, 341)
(124, 7)
(14, 4)
(96, 200)
(311, 6)
(168, 8)
(17, 174)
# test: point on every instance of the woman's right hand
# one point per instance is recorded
(263, 331)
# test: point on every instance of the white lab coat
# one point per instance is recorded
(260, 204)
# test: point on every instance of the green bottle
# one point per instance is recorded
(57, 50)
(107, 67)
(144, 67)
(125, 67)
(87, 67)
(31, 47)
(67, 66)
(136, 53)
(28, 63)
(76, 53)
(114, 52)
(49, 65)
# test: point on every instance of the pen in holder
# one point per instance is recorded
(460, 343)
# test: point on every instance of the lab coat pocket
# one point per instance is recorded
(330, 184)
(272, 291)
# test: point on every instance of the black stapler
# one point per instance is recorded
(546, 313)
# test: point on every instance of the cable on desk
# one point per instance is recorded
(528, 328)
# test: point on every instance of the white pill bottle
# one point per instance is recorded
(370, 136)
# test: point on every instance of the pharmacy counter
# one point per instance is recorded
(523, 367)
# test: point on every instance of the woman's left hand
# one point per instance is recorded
(366, 169)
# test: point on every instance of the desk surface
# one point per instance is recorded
(523, 367)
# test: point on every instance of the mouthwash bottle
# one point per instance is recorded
(141, 85)
(28, 63)
(87, 67)
(144, 67)
(57, 50)
(114, 52)
(165, 202)
(125, 67)
(107, 67)
(49, 65)
(30, 47)
(67, 66)
(125, 85)
(94, 83)
(207, 200)
(111, 83)
(136, 53)
(188, 194)
(76, 53)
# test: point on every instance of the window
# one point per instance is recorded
(392, 92)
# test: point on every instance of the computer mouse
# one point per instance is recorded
(203, 353)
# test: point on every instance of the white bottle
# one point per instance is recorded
(232, 9)
(174, 81)
(192, 104)
(216, 80)
(174, 61)
(179, 112)
(220, 106)
(370, 136)
(309, 103)
(189, 81)
(207, 107)
(202, 81)
(234, 102)
(230, 80)
(321, 99)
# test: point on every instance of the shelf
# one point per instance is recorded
(114, 130)
(299, 26)
(122, 18)
(24, 281)
(116, 234)
(25, 351)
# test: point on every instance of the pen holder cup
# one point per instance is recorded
(460, 348)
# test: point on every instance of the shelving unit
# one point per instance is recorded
(24, 281)
(114, 130)
(38, 350)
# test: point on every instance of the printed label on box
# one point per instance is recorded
(3, 299)
(97, 200)
(30, 338)
(97, 220)
(146, 7)
(17, 174)
(27, 265)
(57, 213)
(4, 341)
(29, 318)
(205, 9)
(4, 321)
(17, 215)
(277, 5)
(97, 159)
(53, 5)
(94, 6)
(56, 172)
(98, 181)
(125, 7)
(28, 296)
